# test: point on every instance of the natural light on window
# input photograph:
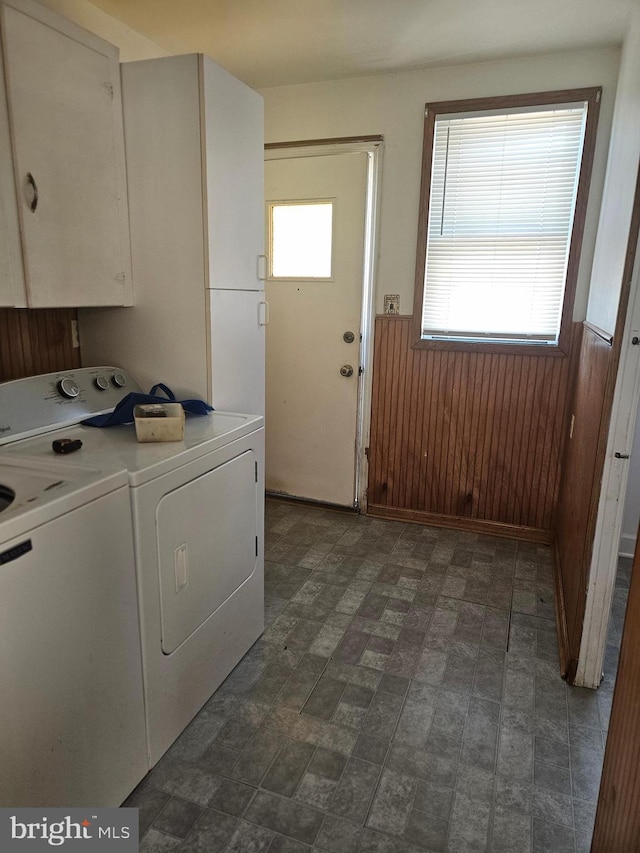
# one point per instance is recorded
(300, 239)
(501, 209)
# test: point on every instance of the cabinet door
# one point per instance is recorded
(237, 330)
(234, 157)
(63, 90)
(12, 292)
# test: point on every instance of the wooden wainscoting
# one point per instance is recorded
(36, 341)
(617, 828)
(465, 439)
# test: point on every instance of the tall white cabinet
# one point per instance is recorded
(194, 151)
(61, 130)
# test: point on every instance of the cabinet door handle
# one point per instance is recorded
(34, 195)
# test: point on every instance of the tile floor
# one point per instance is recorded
(405, 697)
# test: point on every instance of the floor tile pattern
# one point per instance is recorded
(404, 697)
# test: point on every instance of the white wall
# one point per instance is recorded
(617, 202)
(611, 252)
(393, 105)
(132, 45)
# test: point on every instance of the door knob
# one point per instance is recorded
(346, 370)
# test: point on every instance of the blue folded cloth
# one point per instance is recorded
(123, 412)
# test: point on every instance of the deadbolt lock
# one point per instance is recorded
(346, 370)
(348, 337)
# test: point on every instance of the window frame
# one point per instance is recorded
(591, 96)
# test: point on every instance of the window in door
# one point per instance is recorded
(300, 239)
(503, 201)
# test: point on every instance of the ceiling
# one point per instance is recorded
(277, 42)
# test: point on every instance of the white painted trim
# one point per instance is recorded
(369, 270)
(604, 559)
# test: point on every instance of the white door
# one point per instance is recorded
(311, 407)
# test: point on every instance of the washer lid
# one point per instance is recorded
(34, 491)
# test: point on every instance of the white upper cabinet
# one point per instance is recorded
(65, 116)
(195, 149)
(234, 162)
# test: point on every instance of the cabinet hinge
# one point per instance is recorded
(366, 452)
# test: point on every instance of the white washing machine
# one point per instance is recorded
(198, 518)
(72, 725)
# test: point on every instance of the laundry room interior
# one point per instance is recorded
(377, 592)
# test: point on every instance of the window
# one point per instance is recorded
(300, 239)
(503, 199)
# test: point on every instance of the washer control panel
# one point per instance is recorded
(41, 403)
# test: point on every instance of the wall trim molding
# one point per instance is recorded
(334, 140)
(472, 525)
(606, 337)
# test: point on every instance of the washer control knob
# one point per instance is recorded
(119, 380)
(101, 383)
(68, 387)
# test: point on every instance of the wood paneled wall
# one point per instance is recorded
(465, 438)
(36, 341)
(617, 828)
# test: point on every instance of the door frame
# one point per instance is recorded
(623, 404)
(372, 146)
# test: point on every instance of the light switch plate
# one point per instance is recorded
(392, 303)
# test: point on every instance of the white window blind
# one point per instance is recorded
(501, 209)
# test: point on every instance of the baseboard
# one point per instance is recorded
(472, 525)
(291, 499)
(567, 666)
